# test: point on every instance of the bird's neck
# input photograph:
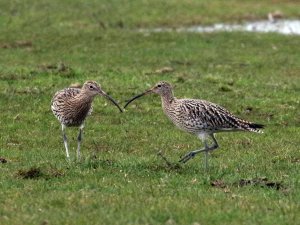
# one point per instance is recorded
(167, 99)
(84, 97)
(169, 105)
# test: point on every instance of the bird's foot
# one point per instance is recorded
(68, 159)
(187, 157)
(169, 164)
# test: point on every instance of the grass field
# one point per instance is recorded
(48, 45)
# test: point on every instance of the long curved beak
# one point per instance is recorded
(137, 96)
(111, 99)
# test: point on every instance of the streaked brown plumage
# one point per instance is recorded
(71, 106)
(198, 117)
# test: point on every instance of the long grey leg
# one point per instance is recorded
(63, 127)
(213, 147)
(206, 157)
(206, 149)
(79, 141)
(192, 154)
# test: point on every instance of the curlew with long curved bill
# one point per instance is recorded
(198, 117)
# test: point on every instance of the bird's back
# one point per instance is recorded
(68, 109)
(194, 115)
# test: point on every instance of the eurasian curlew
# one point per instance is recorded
(71, 106)
(198, 117)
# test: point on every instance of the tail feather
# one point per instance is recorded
(255, 127)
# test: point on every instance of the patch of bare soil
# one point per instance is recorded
(162, 70)
(3, 160)
(218, 184)
(17, 44)
(37, 173)
(58, 68)
(261, 182)
(32, 173)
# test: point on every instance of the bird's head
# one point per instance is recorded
(162, 88)
(92, 88)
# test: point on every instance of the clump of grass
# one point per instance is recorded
(94, 162)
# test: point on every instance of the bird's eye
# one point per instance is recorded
(91, 87)
(159, 85)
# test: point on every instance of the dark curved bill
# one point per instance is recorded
(135, 97)
(112, 100)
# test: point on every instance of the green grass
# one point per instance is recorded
(121, 180)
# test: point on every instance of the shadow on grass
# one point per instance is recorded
(94, 162)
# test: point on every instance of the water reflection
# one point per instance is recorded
(288, 27)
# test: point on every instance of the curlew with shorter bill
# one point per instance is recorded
(71, 106)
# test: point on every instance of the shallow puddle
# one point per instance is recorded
(287, 27)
